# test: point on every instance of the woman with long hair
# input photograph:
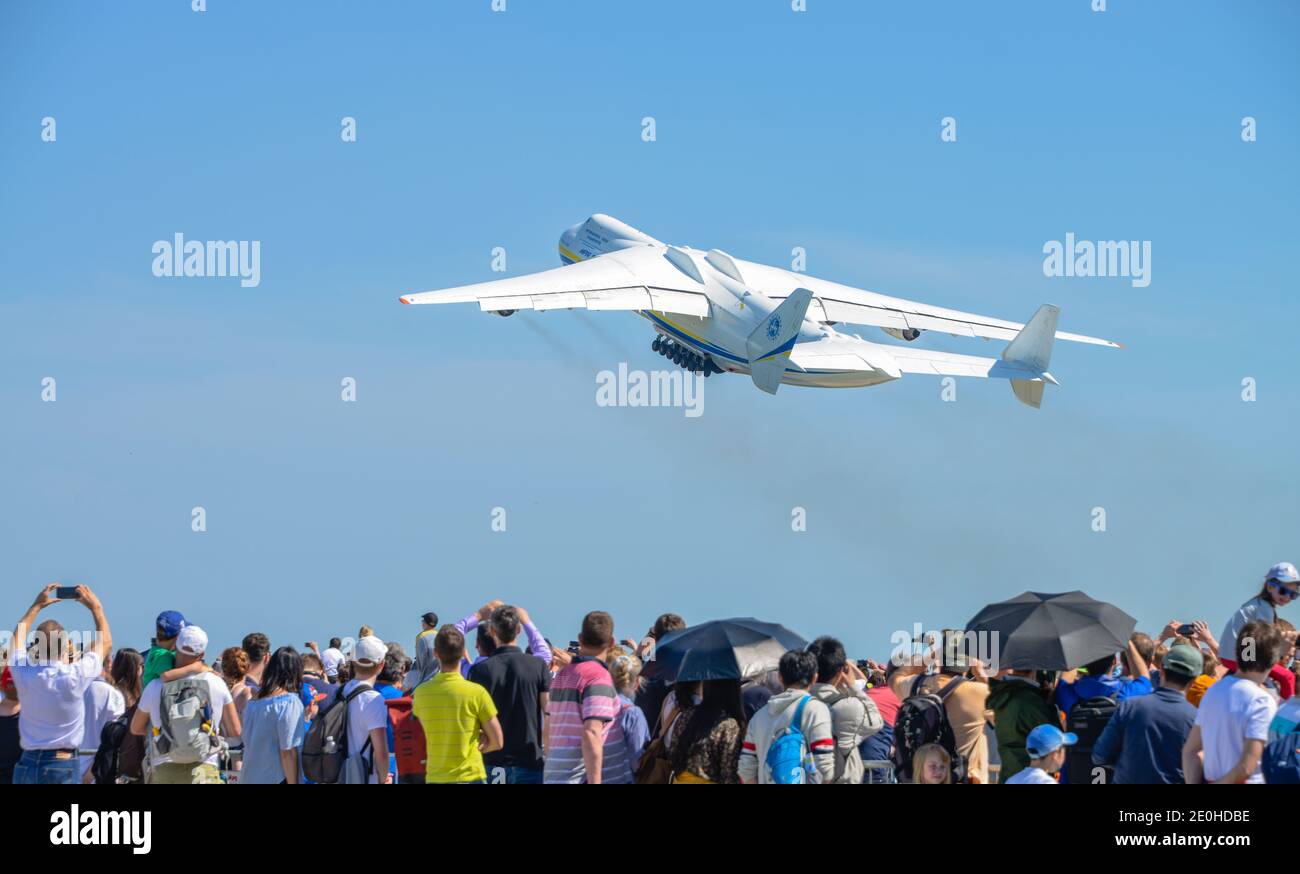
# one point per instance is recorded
(273, 722)
(125, 674)
(705, 742)
(127, 668)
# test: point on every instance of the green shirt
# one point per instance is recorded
(157, 663)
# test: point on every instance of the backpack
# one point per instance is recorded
(104, 768)
(1087, 719)
(788, 760)
(408, 740)
(655, 767)
(184, 734)
(1281, 761)
(325, 748)
(923, 719)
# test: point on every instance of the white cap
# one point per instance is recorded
(192, 641)
(369, 651)
(332, 658)
(1283, 572)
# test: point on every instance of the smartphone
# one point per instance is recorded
(66, 593)
(1186, 630)
(573, 647)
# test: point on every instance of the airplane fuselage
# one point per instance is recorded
(737, 309)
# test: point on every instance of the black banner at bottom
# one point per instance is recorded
(146, 822)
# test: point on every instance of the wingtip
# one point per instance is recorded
(404, 299)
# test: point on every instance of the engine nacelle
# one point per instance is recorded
(504, 313)
(908, 334)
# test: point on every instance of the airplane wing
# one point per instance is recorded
(1024, 362)
(641, 278)
(913, 360)
(833, 302)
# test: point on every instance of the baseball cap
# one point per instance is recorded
(430, 619)
(192, 640)
(170, 623)
(1283, 572)
(369, 651)
(1184, 659)
(1047, 738)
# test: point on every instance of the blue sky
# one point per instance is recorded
(775, 129)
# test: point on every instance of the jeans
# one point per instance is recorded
(47, 766)
(514, 775)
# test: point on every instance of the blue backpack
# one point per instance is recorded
(1281, 762)
(787, 758)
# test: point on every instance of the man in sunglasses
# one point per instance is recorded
(1281, 587)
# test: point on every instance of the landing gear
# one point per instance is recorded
(685, 357)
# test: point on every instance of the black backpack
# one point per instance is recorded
(325, 748)
(922, 719)
(1087, 719)
(104, 767)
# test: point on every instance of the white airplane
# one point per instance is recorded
(718, 314)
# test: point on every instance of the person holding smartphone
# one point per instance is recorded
(51, 684)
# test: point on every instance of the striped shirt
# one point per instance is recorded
(452, 711)
(582, 690)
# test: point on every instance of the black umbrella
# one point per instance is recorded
(722, 649)
(1050, 632)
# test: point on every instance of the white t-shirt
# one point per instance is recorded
(53, 710)
(103, 704)
(218, 696)
(366, 713)
(1233, 711)
(1031, 775)
(1255, 608)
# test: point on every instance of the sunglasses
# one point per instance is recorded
(1285, 590)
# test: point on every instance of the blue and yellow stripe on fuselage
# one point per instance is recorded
(693, 340)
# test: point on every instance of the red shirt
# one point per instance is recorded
(886, 702)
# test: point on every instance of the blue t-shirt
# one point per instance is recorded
(269, 726)
(1119, 688)
(1144, 740)
(388, 691)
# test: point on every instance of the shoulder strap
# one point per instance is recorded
(916, 684)
(947, 690)
(796, 721)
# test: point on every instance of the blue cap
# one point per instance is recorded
(170, 623)
(1046, 739)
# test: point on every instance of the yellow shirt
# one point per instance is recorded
(452, 711)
